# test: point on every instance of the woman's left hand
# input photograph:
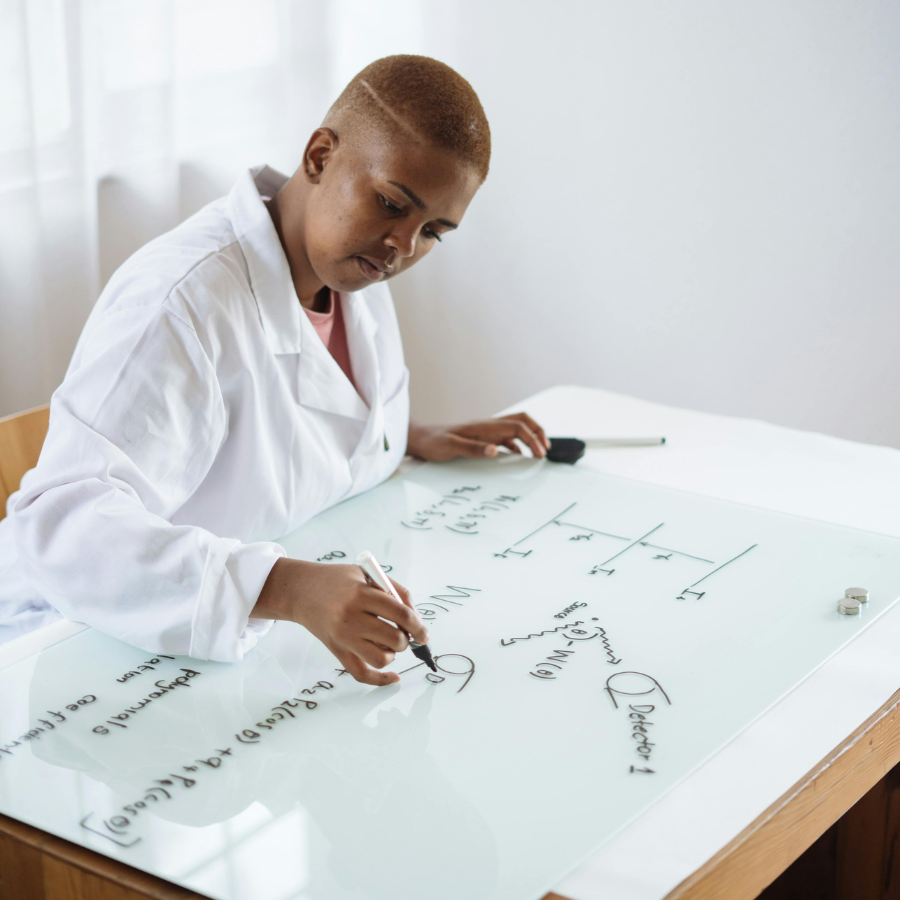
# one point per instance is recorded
(439, 443)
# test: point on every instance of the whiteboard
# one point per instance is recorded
(597, 639)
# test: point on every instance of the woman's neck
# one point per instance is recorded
(311, 293)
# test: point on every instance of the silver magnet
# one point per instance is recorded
(860, 594)
(847, 606)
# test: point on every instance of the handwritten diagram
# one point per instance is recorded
(585, 628)
(582, 533)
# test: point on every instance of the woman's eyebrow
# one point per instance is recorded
(420, 204)
(414, 197)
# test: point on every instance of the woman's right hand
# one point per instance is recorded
(338, 605)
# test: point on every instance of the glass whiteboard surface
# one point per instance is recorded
(597, 639)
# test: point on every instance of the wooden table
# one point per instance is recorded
(35, 865)
(854, 862)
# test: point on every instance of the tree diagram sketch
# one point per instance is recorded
(584, 533)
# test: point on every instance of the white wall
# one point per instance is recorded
(695, 203)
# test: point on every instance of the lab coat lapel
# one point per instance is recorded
(322, 383)
(361, 328)
(267, 266)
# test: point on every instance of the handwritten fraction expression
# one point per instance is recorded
(428, 610)
(465, 519)
(34, 734)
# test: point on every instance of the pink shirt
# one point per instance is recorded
(329, 326)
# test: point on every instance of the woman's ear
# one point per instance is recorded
(321, 147)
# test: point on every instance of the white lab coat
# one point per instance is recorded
(200, 419)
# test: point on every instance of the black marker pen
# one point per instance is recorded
(375, 576)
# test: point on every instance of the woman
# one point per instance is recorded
(243, 372)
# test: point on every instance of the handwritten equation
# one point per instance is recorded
(460, 518)
(118, 827)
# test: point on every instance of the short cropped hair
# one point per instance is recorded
(421, 96)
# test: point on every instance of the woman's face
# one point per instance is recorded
(379, 206)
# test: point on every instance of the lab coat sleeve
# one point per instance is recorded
(134, 429)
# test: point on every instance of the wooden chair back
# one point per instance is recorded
(21, 438)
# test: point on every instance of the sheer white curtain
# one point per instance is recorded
(119, 118)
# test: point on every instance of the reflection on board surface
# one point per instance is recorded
(596, 638)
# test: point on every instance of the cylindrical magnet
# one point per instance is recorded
(847, 606)
(860, 594)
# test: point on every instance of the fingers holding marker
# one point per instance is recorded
(396, 611)
(404, 617)
(402, 591)
(406, 597)
(363, 626)
(375, 655)
(385, 635)
(358, 668)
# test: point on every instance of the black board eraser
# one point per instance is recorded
(565, 450)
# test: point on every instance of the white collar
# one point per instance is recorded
(323, 384)
(270, 275)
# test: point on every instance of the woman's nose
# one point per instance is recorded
(403, 241)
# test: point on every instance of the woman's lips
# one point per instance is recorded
(369, 270)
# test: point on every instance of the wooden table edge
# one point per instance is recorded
(740, 870)
(96, 864)
(753, 859)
